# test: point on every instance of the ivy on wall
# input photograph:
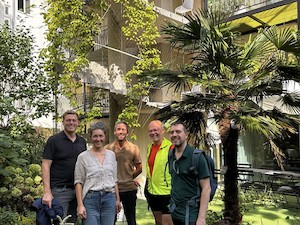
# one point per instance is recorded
(72, 26)
(139, 27)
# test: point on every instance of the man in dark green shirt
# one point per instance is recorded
(185, 183)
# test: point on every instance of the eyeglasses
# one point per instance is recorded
(175, 167)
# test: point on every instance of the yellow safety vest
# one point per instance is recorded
(160, 181)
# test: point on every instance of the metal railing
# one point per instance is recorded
(239, 6)
(102, 38)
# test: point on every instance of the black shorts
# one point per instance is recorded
(159, 203)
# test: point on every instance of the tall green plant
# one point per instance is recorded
(72, 26)
(235, 79)
(24, 94)
(24, 87)
(140, 27)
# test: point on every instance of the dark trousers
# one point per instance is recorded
(177, 222)
(128, 200)
(67, 198)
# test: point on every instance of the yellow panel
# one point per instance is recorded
(274, 16)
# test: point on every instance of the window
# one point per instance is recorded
(6, 10)
(24, 6)
(21, 5)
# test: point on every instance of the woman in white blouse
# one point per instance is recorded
(96, 181)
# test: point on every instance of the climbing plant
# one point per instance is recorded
(72, 26)
(139, 27)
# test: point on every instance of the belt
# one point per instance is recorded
(92, 191)
(100, 191)
(65, 186)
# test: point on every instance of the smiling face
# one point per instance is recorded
(121, 131)
(98, 138)
(70, 123)
(178, 135)
(156, 131)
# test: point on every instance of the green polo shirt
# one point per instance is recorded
(184, 185)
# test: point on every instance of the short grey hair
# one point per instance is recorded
(97, 126)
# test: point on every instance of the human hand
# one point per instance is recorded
(136, 182)
(47, 199)
(81, 212)
(118, 206)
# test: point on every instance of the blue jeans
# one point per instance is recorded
(100, 208)
(67, 199)
(128, 199)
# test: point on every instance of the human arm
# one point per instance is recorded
(47, 196)
(204, 200)
(137, 170)
(137, 163)
(81, 211)
(79, 178)
(118, 202)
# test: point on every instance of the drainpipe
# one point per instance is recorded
(13, 19)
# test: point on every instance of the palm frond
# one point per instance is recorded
(290, 72)
(283, 39)
(164, 77)
(264, 125)
(285, 120)
(257, 48)
(198, 101)
(291, 101)
(279, 156)
(195, 122)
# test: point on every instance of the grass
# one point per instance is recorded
(256, 211)
(263, 211)
(143, 215)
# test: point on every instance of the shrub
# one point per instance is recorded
(21, 187)
(8, 217)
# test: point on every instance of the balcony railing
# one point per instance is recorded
(87, 100)
(240, 6)
(102, 38)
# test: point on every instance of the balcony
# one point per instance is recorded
(242, 6)
(93, 97)
(249, 15)
(102, 38)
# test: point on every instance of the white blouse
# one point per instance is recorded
(96, 176)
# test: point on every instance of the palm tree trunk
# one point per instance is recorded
(232, 214)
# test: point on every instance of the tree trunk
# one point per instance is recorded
(232, 214)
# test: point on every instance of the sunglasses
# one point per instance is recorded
(175, 166)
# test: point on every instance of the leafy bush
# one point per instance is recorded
(8, 217)
(213, 217)
(10, 148)
(19, 190)
(34, 138)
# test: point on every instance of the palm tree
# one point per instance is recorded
(235, 78)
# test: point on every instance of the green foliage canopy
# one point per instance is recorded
(72, 26)
(139, 27)
(25, 88)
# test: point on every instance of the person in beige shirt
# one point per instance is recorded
(129, 167)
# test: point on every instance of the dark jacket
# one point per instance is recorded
(44, 214)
